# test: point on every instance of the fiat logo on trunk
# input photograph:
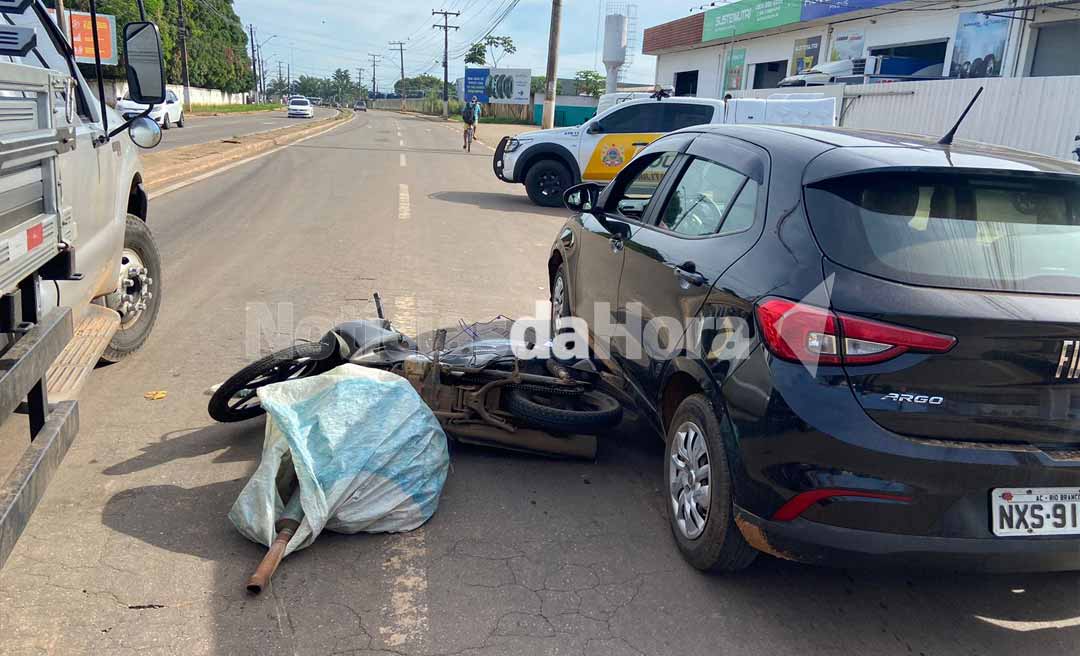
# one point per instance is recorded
(1069, 362)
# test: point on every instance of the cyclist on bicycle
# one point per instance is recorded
(470, 113)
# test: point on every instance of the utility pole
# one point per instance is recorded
(360, 83)
(401, 51)
(374, 83)
(551, 88)
(254, 62)
(61, 19)
(182, 34)
(445, 27)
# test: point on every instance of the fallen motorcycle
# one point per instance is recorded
(475, 385)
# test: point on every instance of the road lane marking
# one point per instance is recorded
(228, 167)
(403, 209)
(407, 613)
(401, 160)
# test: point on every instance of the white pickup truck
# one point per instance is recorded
(550, 161)
(80, 274)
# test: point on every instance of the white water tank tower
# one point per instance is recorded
(614, 48)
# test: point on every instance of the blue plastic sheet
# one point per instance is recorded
(369, 456)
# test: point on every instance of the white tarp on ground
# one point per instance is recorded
(369, 457)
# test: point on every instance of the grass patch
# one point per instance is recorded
(234, 109)
(498, 120)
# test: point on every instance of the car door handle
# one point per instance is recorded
(640, 144)
(688, 274)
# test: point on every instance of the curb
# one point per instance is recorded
(189, 168)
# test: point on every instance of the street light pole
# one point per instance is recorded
(254, 63)
(401, 51)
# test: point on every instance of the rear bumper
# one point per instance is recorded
(821, 544)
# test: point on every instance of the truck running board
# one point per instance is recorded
(69, 372)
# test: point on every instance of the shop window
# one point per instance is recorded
(767, 75)
(1055, 50)
(686, 83)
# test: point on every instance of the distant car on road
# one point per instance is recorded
(167, 115)
(360, 106)
(301, 108)
(869, 347)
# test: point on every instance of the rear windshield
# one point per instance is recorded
(951, 230)
(298, 102)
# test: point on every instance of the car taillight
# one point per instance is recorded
(799, 332)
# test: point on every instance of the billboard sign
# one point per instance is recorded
(812, 9)
(980, 45)
(733, 70)
(847, 44)
(82, 37)
(806, 54)
(748, 16)
(501, 86)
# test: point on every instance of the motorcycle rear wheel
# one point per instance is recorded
(236, 400)
(588, 413)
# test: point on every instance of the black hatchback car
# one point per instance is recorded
(859, 347)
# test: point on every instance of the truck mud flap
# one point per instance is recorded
(22, 369)
(497, 159)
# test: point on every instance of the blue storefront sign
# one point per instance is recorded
(812, 9)
(476, 83)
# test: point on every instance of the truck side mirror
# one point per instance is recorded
(144, 62)
(594, 128)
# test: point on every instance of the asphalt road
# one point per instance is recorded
(131, 551)
(201, 129)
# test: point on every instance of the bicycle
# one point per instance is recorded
(470, 129)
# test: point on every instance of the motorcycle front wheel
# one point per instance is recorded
(236, 399)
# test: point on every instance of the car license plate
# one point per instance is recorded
(1035, 511)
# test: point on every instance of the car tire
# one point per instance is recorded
(165, 122)
(560, 296)
(180, 121)
(695, 440)
(134, 331)
(545, 182)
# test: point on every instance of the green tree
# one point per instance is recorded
(491, 47)
(590, 83)
(217, 44)
(477, 54)
(420, 83)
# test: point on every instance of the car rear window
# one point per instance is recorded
(983, 232)
(298, 102)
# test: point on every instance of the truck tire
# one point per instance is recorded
(546, 181)
(592, 412)
(705, 534)
(140, 252)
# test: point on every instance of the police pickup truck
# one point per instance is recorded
(549, 161)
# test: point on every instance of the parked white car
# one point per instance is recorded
(301, 108)
(167, 115)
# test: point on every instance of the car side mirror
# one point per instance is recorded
(594, 128)
(583, 197)
(144, 62)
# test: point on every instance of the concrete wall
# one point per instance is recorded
(1036, 114)
(114, 89)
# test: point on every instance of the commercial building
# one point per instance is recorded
(754, 44)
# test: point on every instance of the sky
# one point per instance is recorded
(321, 35)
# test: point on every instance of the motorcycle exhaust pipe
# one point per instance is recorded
(286, 526)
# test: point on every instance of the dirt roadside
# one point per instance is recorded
(160, 169)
